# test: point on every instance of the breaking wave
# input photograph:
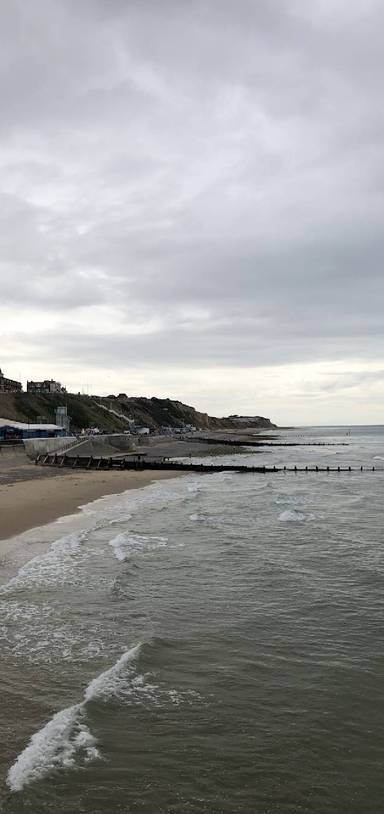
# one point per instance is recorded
(122, 519)
(292, 516)
(63, 739)
(198, 518)
(194, 488)
(112, 681)
(127, 543)
(66, 740)
(54, 567)
(66, 736)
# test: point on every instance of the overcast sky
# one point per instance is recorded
(191, 202)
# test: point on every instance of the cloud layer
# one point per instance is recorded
(191, 186)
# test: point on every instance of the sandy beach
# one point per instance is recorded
(36, 501)
(32, 496)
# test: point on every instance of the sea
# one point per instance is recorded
(208, 644)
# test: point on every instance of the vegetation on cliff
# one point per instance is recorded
(112, 414)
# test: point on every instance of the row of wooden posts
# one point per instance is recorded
(139, 464)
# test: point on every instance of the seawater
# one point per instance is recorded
(212, 643)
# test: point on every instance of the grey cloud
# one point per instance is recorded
(223, 158)
(354, 381)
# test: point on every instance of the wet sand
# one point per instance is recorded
(40, 499)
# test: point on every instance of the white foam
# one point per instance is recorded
(123, 681)
(122, 519)
(126, 543)
(66, 736)
(110, 682)
(38, 633)
(194, 488)
(51, 568)
(291, 516)
(55, 746)
(118, 546)
(86, 742)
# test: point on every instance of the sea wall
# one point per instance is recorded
(102, 445)
(40, 446)
(12, 451)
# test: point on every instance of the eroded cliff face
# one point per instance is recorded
(157, 412)
(111, 413)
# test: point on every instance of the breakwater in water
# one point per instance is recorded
(266, 442)
(140, 463)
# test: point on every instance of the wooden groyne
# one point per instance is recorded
(244, 443)
(139, 464)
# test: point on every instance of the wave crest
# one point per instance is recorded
(127, 543)
(56, 746)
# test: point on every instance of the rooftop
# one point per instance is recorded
(19, 425)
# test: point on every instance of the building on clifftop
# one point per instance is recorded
(47, 386)
(9, 385)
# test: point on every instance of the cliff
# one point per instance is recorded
(112, 414)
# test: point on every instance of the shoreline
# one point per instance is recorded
(37, 502)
